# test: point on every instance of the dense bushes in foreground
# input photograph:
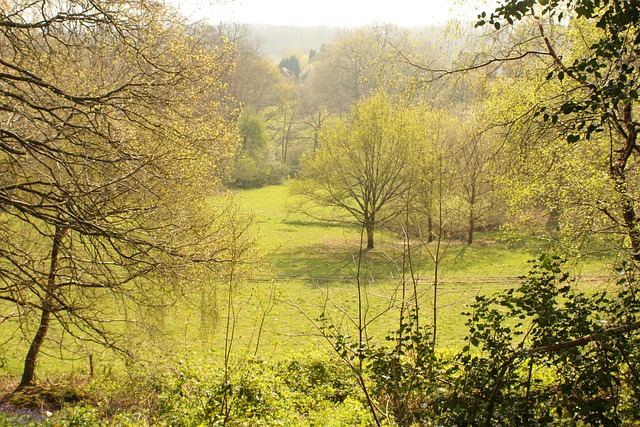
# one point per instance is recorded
(301, 391)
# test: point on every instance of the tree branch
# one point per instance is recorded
(618, 330)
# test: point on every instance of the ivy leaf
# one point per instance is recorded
(591, 129)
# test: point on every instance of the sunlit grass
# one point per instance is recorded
(311, 267)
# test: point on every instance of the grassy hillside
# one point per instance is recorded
(313, 266)
(310, 267)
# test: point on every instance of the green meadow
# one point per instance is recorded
(310, 267)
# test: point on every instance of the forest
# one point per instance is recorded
(372, 226)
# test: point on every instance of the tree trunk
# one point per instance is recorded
(370, 237)
(472, 218)
(553, 223)
(28, 374)
(618, 173)
(628, 212)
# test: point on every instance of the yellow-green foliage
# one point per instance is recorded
(365, 163)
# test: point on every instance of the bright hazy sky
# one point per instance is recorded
(406, 13)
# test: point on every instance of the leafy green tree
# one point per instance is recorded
(268, 100)
(541, 178)
(253, 135)
(364, 164)
(292, 64)
(599, 79)
(284, 119)
(472, 164)
(253, 163)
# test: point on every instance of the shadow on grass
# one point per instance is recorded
(333, 261)
(323, 258)
(313, 223)
(325, 263)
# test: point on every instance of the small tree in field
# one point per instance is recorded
(365, 163)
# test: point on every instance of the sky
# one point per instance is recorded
(342, 13)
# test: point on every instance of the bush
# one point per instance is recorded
(547, 354)
(295, 392)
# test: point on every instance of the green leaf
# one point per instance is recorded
(573, 138)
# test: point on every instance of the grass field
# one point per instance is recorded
(314, 266)
(310, 267)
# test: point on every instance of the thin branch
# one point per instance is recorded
(618, 330)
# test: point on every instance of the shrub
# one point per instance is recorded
(295, 392)
(545, 353)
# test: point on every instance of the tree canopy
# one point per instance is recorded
(292, 64)
(364, 163)
(598, 80)
(105, 161)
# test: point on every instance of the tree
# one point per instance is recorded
(472, 162)
(600, 80)
(429, 210)
(254, 79)
(344, 72)
(357, 64)
(364, 163)
(105, 161)
(291, 64)
(252, 165)
(541, 177)
(283, 119)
